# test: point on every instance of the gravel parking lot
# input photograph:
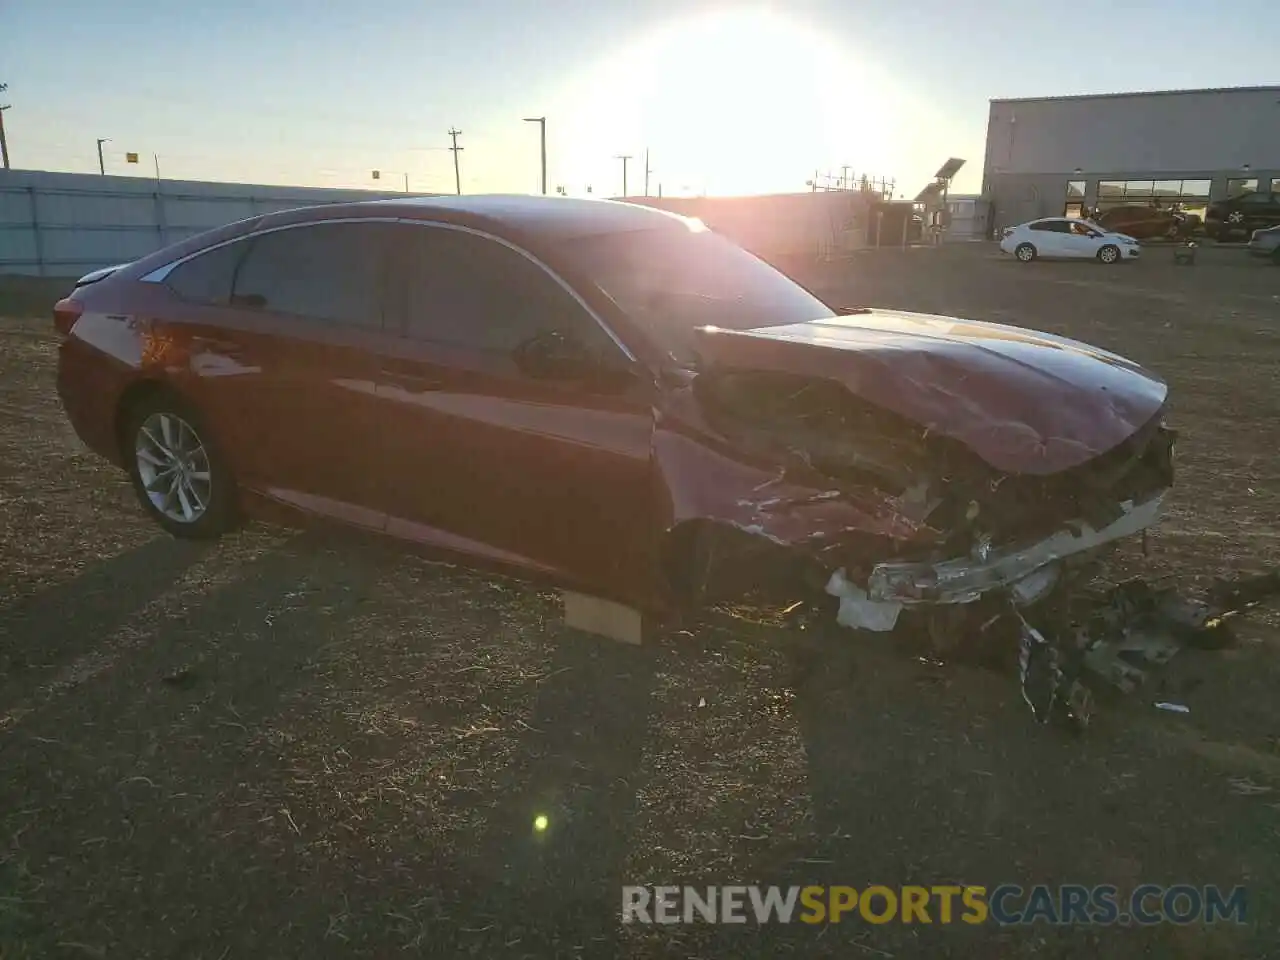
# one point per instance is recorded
(287, 745)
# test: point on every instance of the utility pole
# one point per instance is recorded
(624, 160)
(4, 144)
(542, 125)
(457, 173)
(647, 171)
(102, 167)
(406, 183)
(156, 157)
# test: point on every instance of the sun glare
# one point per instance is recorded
(733, 102)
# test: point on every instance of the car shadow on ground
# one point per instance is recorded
(44, 630)
(308, 755)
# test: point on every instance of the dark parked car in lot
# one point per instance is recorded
(1147, 222)
(1236, 218)
(606, 396)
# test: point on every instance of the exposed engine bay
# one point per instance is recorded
(961, 551)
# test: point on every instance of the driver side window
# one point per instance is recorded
(464, 290)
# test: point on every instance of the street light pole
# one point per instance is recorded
(102, 167)
(624, 160)
(4, 143)
(542, 124)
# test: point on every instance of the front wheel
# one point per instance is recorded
(1109, 254)
(1025, 252)
(178, 473)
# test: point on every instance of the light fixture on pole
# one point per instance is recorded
(102, 167)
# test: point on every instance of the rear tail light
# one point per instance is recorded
(65, 314)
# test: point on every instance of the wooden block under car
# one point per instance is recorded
(603, 617)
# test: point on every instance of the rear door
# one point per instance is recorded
(288, 360)
(496, 447)
(1049, 237)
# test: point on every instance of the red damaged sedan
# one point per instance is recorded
(608, 397)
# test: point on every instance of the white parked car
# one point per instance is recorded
(1065, 237)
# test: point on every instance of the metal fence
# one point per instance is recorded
(66, 224)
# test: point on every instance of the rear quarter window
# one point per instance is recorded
(208, 277)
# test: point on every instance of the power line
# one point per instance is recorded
(457, 173)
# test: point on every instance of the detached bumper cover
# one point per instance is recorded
(965, 579)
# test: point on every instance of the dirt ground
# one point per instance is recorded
(285, 745)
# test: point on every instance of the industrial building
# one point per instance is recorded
(1055, 156)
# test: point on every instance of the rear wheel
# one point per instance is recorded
(179, 474)
(1025, 252)
(1109, 254)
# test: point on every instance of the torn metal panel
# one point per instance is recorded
(964, 579)
(703, 482)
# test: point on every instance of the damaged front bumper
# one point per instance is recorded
(1069, 642)
(1028, 571)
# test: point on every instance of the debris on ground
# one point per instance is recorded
(1120, 636)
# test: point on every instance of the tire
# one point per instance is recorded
(1025, 252)
(1109, 254)
(162, 431)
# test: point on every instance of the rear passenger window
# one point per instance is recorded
(323, 271)
(207, 278)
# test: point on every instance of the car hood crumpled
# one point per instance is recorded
(1023, 401)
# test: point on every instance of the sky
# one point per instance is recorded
(727, 97)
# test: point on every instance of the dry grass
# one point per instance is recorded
(290, 745)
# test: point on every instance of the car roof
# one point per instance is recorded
(557, 218)
(536, 222)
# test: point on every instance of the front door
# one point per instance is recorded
(516, 427)
(1080, 240)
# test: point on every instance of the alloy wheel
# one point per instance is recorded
(173, 466)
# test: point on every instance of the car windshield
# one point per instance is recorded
(672, 281)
